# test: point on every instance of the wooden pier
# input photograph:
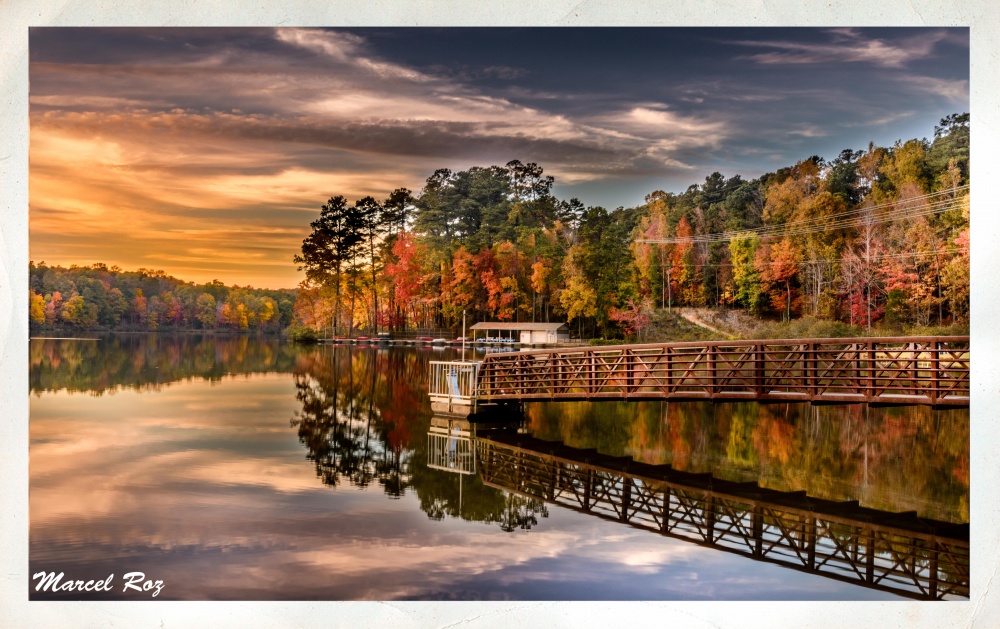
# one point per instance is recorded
(893, 552)
(889, 370)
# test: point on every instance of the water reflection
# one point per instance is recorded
(361, 413)
(892, 458)
(204, 464)
(354, 419)
(148, 362)
(900, 553)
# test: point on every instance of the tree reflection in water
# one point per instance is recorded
(363, 418)
(349, 428)
(899, 458)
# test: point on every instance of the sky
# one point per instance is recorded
(207, 152)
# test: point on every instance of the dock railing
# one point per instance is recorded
(888, 370)
(453, 384)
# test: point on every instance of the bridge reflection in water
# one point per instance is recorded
(893, 552)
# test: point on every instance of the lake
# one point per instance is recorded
(241, 468)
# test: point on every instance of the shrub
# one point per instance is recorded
(302, 334)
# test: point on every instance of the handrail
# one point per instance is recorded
(888, 370)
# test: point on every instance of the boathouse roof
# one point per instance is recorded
(509, 325)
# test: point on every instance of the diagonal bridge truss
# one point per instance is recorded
(893, 552)
(886, 370)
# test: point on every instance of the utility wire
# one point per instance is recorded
(908, 208)
(826, 261)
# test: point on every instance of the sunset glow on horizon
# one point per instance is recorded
(206, 152)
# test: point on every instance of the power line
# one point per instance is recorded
(897, 210)
(830, 262)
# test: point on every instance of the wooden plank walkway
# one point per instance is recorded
(886, 370)
(893, 552)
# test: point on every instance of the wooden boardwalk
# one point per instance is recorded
(893, 552)
(888, 370)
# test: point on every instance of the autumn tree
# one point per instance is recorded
(333, 243)
(407, 273)
(634, 317)
(777, 266)
(578, 298)
(746, 277)
(36, 308)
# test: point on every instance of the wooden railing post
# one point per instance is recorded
(626, 497)
(813, 371)
(757, 519)
(665, 521)
(871, 381)
(712, 375)
(629, 363)
(709, 507)
(758, 369)
(592, 373)
(811, 542)
(870, 557)
(932, 585)
(670, 370)
(935, 371)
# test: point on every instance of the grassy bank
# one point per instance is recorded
(705, 324)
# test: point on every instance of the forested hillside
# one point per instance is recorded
(876, 237)
(101, 297)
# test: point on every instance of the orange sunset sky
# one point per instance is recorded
(206, 153)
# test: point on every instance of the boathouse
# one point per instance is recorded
(524, 333)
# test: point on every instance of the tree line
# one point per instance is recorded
(102, 297)
(877, 237)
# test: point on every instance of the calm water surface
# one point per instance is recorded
(240, 468)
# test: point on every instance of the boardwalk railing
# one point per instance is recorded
(450, 446)
(890, 370)
(893, 552)
(453, 384)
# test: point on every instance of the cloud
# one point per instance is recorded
(954, 90)
(809, 132)
(224, 128)
(847, 46)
